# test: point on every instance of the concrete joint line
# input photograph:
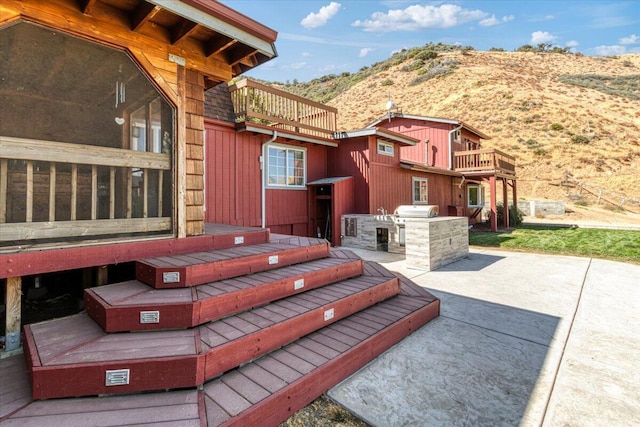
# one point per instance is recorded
(566, 343)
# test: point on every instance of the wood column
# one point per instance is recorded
(515, 194)
(13, 299)
(494, 204)
(505, 203)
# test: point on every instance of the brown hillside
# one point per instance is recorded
(518, 100)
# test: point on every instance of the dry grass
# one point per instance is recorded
(518, 99)
(323, 412)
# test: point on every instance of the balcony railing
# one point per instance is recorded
(57, 190)
(259, 103)
(485, 160)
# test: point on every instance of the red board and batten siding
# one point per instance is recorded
(380, 182)
(351, 158)
(233, 180)
(436, 133)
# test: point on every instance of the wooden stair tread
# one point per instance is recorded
(118, 307)
(202, 267)
(301, 371)
(184, 358)
(263, 392)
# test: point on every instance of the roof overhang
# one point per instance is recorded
(453, 122)
(421, 167)
(380, 133)
(227, 22)
(283, 133)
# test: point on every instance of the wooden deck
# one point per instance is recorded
(254, 349)
(250, 395)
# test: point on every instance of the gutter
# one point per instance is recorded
(263, 180)
(450, 146)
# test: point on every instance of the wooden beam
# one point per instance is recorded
(64, 152)
(87, 6)
(218, 45)
(81, 228)
(144, 14)
(239, 53)
(182, 30)
(13, 300)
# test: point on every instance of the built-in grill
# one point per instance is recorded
(417, 211)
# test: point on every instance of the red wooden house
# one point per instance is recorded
(109, 170)
(397, 160)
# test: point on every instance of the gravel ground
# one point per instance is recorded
(323, 412)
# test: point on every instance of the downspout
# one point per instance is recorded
(263, 180)
(451, 147)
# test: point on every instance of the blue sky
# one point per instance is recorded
(316, 38)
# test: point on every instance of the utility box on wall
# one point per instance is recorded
(431, 243)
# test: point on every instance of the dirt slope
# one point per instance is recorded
(518, 99)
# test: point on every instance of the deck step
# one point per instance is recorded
(264, 392)
(134, 306)
(73, 356)
(203, 267)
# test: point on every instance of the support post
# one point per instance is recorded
(505, 203)
(515, 194)
(494, 205)
(13, 299)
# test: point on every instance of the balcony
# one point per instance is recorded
(485, 160)
(258, 103)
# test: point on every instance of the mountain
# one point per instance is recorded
(565, 117)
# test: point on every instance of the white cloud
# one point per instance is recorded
(365, 51)
(417, 17)
(538, 37)
(306, 54)
(296, 65)
(632, 39)
(315, 20)
(572, 43)
(610, 50)
(489, 22)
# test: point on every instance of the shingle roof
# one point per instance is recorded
(217, 103)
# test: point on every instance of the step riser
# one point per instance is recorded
(174, 316)
(282, 404)
(193, 365)
(198, 274)
(236, 353)
(48, 382)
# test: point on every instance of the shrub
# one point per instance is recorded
(496, 49)
(515, 217)
(580, 139)
(540, 152)
(557, 126)
(531, 142)
(427, 54)
(386, 82)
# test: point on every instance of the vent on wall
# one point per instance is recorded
(117, 377)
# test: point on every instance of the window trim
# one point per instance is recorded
(480, 195)
(286, 148)
(385, 144)
(415, 201)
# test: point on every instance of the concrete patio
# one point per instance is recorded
(523, 339)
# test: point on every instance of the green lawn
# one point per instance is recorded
(618, 245)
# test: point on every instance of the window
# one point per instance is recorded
(286, 166)
(420, 190)
(475, 196)
(385, 148)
